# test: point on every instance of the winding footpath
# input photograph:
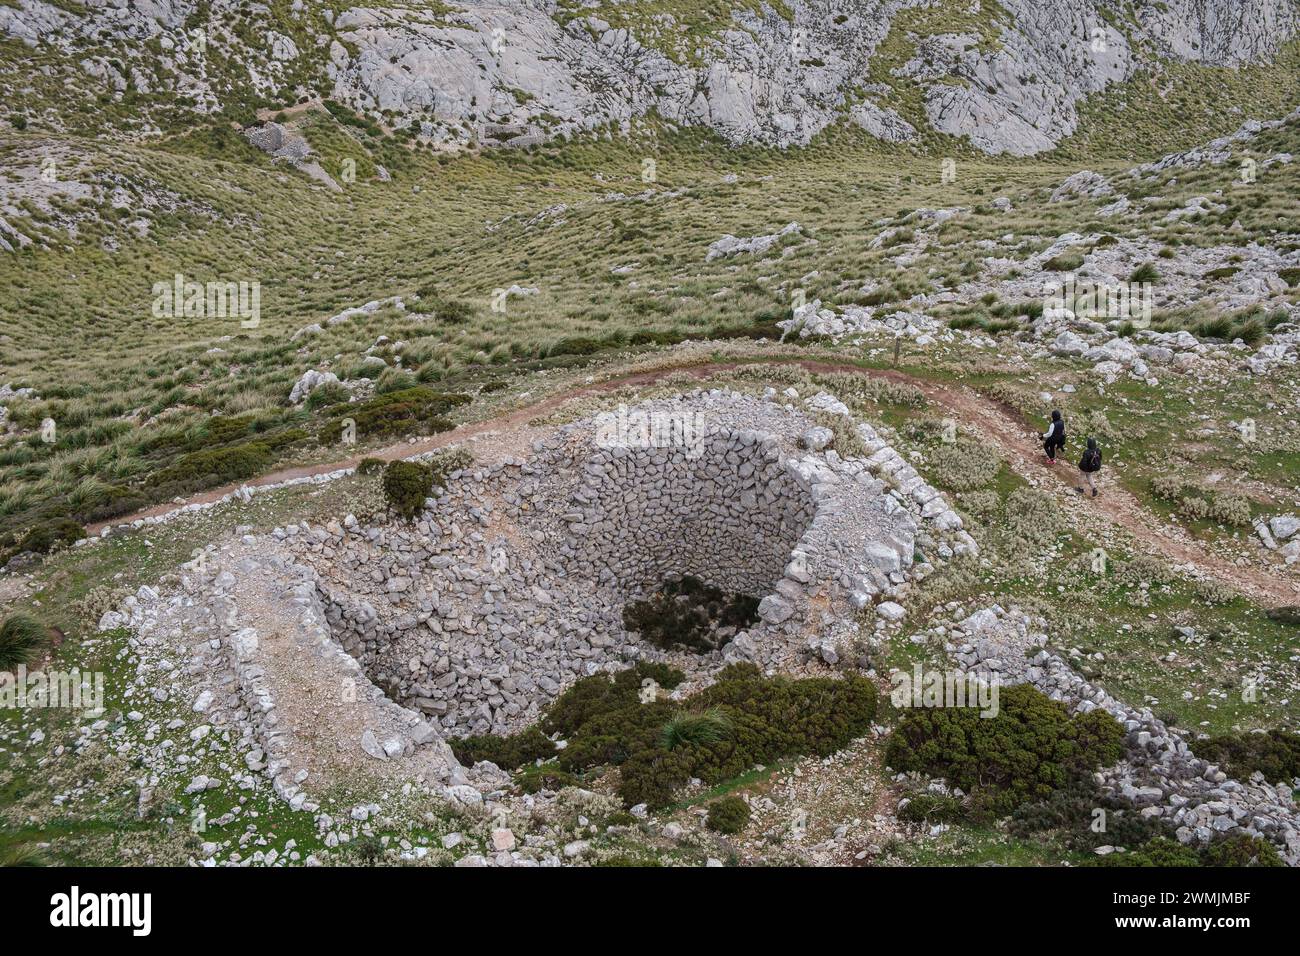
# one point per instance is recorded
(992, 421)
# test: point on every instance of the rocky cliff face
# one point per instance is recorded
(1007, 77)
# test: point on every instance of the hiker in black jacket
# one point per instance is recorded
(1054, 437)
(1089, 465)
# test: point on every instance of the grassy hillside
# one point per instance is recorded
(617, 260)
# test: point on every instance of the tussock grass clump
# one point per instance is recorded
(1033, 516)
(22, 855)
(22, 638)
(929, 808)
(1147, 272)
(394, 380)
(1229, 508)
(964, 465)
(686, 729)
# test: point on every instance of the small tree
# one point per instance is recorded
(406, 485)
(729, 815)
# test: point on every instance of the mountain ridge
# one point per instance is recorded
(1006, 77)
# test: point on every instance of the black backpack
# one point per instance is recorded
(1091, 460)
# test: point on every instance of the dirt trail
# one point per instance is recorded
(991, 420)
(1115, 504)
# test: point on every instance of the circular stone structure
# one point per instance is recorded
(512, 583)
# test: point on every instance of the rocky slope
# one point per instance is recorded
(1006, 77)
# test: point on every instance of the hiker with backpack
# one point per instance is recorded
(1089, 465)
(1054, 437)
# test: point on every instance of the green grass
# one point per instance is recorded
(975, 846)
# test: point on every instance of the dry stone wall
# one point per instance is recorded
(512, 584)
(1160, 773)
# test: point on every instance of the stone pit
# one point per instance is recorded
(512, 584)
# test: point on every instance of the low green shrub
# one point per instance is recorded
(1160, 852)
(526, 747)
(762, 328)
(742, 720)
(645, 337)
(400, 412)
(729, 815)
(44, 537)
(544, 776)
(1241, 850)
(406, 485)
(929, 808)
(576, 345)
(1287, 614)
(112, 502)
(1072, 814)
(689, 613)
(450, 311)
(1225, 272)
(771, 718)
(1067, 261)
(213, 466)
(370, 466)
(1275, 754)
(1030, 749)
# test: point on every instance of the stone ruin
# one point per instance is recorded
(512, 584)
(326, 651)
(1160, 774)
(321, 650)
